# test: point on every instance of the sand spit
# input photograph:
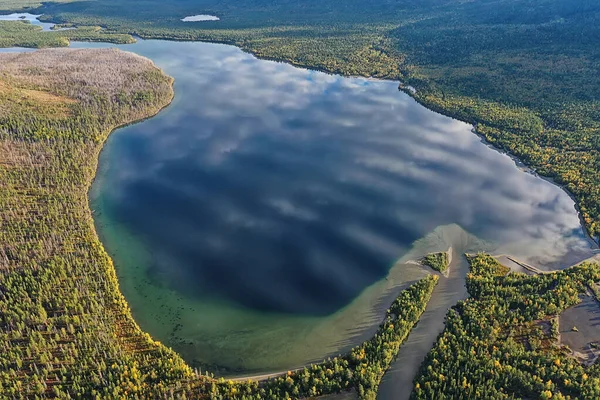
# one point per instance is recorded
(397, 382)
(579, 328)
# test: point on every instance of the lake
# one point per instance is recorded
(269, 215)
(31, 18)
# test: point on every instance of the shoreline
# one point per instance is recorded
(113, 129)
(402, 86)
(265, 375)
(94, 164)
(410, 91)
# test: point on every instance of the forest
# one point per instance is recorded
(524, 72)
(24, 34)
(501, 342)
(65, 329)
(437, 261)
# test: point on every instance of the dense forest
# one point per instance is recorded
(525, 72)
(437, 261)
(65, 329)
(24, 34)
(502, 342)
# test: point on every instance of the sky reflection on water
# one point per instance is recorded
(283, 190)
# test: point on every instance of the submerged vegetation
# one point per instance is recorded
(361, 370)
(502, 342)
(437, 261)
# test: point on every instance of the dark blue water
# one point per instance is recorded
(266, 199)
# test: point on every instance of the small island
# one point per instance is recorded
(437, 261)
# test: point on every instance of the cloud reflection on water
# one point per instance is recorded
(288, 190)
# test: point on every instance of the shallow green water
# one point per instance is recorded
(265, 219)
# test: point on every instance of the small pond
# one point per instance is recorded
(200, 18)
